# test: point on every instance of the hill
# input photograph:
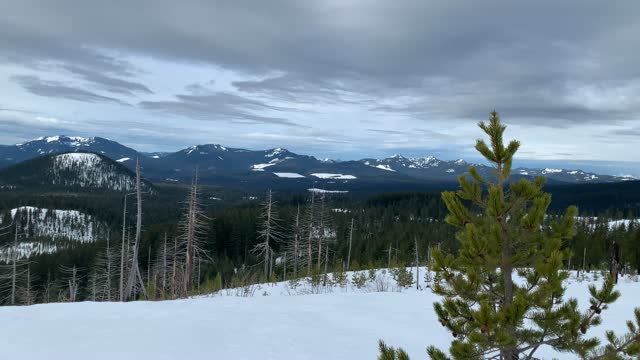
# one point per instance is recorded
(78, 171)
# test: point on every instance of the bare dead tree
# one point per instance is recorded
(149, 267)
(350, 242)
(103, 274)
(269, 233)
(14, 273)
(309, 226)
(135, 282)
(71, 282)
(49, 288)
(175, 270)
(326, 262)
(320, 236)
(295, 246)
(193, 228)
(162, 270)
(26, 293)
(417, 265)
(124, 251)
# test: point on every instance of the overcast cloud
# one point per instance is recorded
(335, 78)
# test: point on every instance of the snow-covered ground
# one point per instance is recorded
(276, 322)
(288, 175)
(334, 176)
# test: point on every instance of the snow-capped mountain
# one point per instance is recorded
(12, 154)
(219, 164)
(77, 170)
(433, 168)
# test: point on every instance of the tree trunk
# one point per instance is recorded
(122, 253)
(511, 352)
(296, 241)
(267, 255)
(350, 241)
(310, 238)
(14, 267)
(326, 262)
(164, 265)
(134, 274)
(417, 266)
(284, 271)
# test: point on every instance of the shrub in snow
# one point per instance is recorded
(372, 274)
(359, 280)
(381, 283)
(402, 277)
(340, 278)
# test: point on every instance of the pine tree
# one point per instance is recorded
(504, 235)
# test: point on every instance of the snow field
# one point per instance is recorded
(277, 322)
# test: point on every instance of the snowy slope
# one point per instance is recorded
(70, 170)
(44, 231)
(344, 323)
(89, 170)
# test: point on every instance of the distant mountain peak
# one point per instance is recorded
(204, 149)
(276, 152)
(64, 139)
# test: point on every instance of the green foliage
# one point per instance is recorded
(402, 276)
(359, 279)
(371, 274)
(503, 232)
(315, 280)
(389, 353)
(340, 278)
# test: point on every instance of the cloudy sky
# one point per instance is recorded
(332, 78)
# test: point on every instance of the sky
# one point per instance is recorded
(343, 79)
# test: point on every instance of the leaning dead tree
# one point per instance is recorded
(350, 243)
(190, 248)
(269, 233)
(135, 283)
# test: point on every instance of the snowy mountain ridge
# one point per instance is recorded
(216, 161)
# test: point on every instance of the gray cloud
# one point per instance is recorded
(543, 64)
(108, 83)
(200, 88)
(383, 131)
(297, 88)
(56, 89)
(218, 107)
(497, 55)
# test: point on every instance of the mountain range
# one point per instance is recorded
(218, 164)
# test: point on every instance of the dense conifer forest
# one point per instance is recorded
(386, 229)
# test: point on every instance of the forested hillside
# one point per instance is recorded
(386, 229)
